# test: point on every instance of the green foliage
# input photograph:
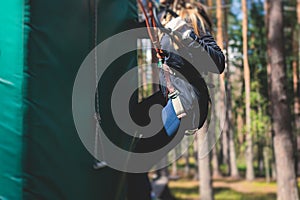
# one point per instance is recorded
(257, 58)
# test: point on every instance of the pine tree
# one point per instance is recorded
(281, 115)
(249, 149)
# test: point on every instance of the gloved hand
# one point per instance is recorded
(173, 60)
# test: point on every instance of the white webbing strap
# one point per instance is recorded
(179, 110)
(174, 94)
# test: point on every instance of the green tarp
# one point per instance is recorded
(13, 37)
(41, 154)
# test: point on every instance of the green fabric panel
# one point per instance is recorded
(13, 36)
(56, 164)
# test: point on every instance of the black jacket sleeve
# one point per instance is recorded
(214, 51)
(208, 43)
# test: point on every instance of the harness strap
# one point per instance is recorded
(169, 85)
(155, 41)
(173, 94)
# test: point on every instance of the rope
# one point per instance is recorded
(97, 164)
(155, 42)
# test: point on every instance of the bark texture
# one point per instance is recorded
(206, 189)
(283, 145)
(249, 149)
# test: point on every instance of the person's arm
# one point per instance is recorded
(214, 51)
(208, 43)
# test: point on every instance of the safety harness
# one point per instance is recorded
(152, 22)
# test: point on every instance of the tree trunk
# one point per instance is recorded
(174, 169)
(186, 156)
(249, 149)
(262, 143)
(225, 149)
(215, 164)
(298, 12)
(206, 190)
(260, 158)
(174, 164)
(271, 131)
(209, 4)
(219, 14)
(273, 168)
(230, 130)
(220, 40)
(239, 126)
(266, 163)
(195, 154)
(295, 65)
(216, 173)
(234, 173)
(155, 73)
(187, 164)
(286, 177)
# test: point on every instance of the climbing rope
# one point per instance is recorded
(98, 141)
(153, 34)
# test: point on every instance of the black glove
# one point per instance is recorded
(173, 60)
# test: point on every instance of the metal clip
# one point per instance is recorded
(173, 95)
(178, 108)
